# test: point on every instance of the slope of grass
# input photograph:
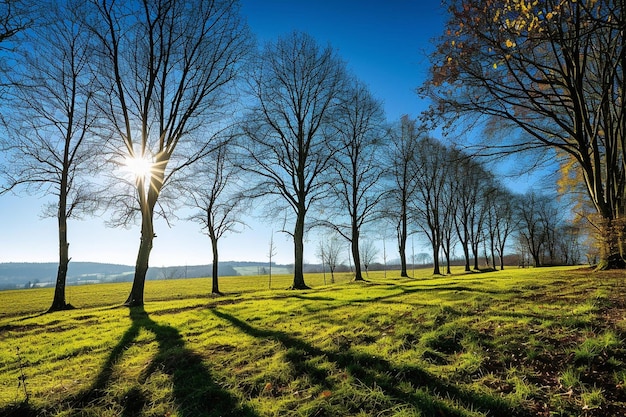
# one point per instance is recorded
(509, 343)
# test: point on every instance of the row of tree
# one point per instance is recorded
(454, 201)
(543, 76)
(170, 101)
(135, 91)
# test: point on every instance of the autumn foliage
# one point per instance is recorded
(549, 74)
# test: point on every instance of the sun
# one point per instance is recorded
(139, 167)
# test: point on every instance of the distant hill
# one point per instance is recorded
(26, 275)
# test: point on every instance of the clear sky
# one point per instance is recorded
(383, 42)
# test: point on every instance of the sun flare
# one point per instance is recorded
(139, 167)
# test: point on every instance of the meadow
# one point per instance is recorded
(518, 342)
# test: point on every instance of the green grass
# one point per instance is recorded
(519, 342)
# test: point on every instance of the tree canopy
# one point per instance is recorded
(542, 74)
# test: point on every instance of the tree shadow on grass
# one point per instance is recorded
(194, 391)
(376, 372)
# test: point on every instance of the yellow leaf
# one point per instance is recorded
(325, 394)
(495, 66)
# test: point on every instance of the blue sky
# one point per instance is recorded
(383, 42)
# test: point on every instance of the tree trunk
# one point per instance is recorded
(215, 284)
(141, 269)
(501, 255)
(298, 240)
(135, 297)
(58, 302)
(446, 252)
(612, 241)
(358, 276)
(475, 253)
(402, 228)
(436, 269)
(466, 255)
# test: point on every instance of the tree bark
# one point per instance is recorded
(475, 252)
(215, 289)
(141, 269)
(436, 268)
(612, 238)
(447, 255)
(58, 302)
(298, 239)
(147, 202)
(402, 235)
(358, 276)
(501, 255)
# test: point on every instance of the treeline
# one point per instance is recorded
(456, 203)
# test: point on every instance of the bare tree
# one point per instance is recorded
(271, 252)
(500, 222)
(329, 251)
(532, 229)
(356, 171)
(471, 186)
(449, 238)
(297, 86)
(403, 142)
(448, 235)
(544, 75)
(218, 202)
(431, 166)
(369, 252)
(569, 244)
(167, 69)
(52, 112)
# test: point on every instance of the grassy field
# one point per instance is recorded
(522, 342)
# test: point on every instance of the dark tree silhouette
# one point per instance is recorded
(403, 142)
(500, 222)
(356, 170)
(219, 204)
(167, 68)
(531, 225)
(297, 87)
(431, 167)
(472, 185)
(49, 150)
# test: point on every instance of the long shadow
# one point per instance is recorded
(378, 372)
(195, 392)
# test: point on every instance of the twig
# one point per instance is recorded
(22, 377)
